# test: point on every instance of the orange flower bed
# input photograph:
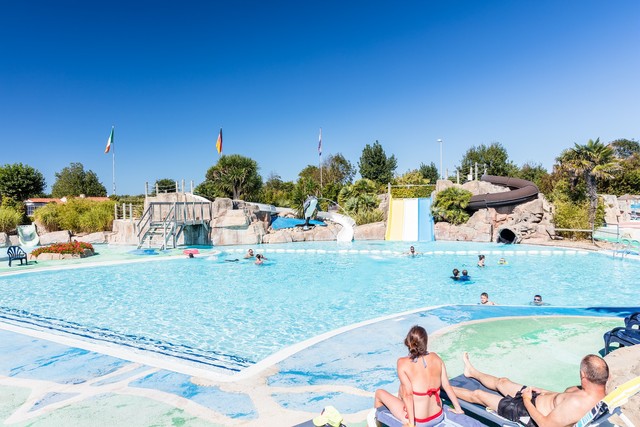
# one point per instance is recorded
(63, 248)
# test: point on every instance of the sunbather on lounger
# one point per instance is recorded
(546, 408)
(421, 375)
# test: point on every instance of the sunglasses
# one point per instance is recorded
(537, 300)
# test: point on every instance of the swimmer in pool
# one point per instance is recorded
(249, 254)
(412, 251)
(456, 274)
(502, 261)
(480, 260)
(484, 299)
(260, 259)
(465, 276)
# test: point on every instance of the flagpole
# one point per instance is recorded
(114, 171)
(320, 157)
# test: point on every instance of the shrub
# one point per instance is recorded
(77, 215)
(575, 215)
(74, 247)
(450, 204)
(10, 218)
(368, 216)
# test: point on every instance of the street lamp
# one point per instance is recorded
(441, 176)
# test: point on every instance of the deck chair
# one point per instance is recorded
(382, 416)
(480, 411)
(632, 321)
(16, 253)
(621, 335)
(598, 416)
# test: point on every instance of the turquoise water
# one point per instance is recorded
(233, 314)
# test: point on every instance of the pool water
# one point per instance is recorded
(231, 314)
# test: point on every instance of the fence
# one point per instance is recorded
(128, 210)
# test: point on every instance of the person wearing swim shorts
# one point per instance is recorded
(421, 375)
(544, 407)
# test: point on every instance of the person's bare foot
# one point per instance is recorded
(468, 367)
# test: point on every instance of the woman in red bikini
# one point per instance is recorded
(421, 375)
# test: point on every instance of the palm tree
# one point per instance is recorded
(591, 161)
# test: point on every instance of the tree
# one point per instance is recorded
(591, 162)
(429, 172)
(165, 185)
(336, 169)
(494, 158)
(74, 181)
(624, 148)
(626, 180)
(20, 182)
(234, 176)
(277, 192)
(375, 165)
(535, 173)
(450, 206)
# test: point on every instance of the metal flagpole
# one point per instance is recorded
(320, 156)
(113, 153)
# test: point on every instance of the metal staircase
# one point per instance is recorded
(163, 222)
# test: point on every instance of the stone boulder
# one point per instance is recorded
(93, 238)
(372, 231)
(55, 237)
(383, 205)
(298, 234)
(477, 229)
(248, 235)
(529, 221)
(4, 240)
(482, 187)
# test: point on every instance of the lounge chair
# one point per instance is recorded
(598, 416)
(632, 321)
(16, 253)
(623, 336)
(384, 417)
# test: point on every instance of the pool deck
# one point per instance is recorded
(52, 380)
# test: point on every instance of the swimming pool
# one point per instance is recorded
(230, 315)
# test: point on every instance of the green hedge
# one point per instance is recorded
(77, 215)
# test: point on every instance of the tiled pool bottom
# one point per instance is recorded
(47, 384)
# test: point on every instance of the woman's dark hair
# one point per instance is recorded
(416, 342)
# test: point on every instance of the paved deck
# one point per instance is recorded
(44, 382)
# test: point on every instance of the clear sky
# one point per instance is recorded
(535, 75)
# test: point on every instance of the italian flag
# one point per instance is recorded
(109, 142)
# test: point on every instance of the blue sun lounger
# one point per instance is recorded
(623, 336)
(598, 416)
(385, 418)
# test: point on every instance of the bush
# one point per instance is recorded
(77, 215)
(74, 247)
(575, 215)
(10, 218)
(450, 204)
(368, 216)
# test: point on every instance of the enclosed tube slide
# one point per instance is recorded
(28, 236)
(521, 191)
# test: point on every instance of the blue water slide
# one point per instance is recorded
(425, 220)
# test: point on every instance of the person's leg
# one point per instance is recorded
(502, 385)
(393, 403)
(484, 398)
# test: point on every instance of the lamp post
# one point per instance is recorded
(441, 176)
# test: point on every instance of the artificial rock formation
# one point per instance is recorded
(527, 222)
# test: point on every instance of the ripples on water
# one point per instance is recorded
(249, 311)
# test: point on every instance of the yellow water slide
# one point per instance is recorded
(395, 220)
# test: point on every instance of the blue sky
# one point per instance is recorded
(536, 76)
